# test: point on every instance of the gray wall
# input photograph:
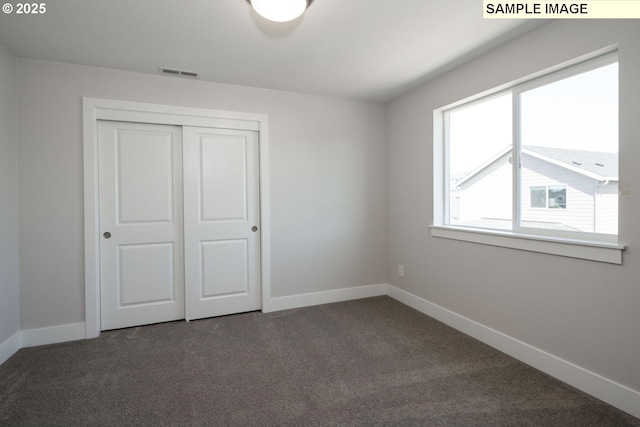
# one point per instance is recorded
(329, 186)
(328, 181)
(581, 311)
(9, 292)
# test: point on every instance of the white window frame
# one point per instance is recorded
(584, 245)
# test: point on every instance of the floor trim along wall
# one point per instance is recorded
(325, 297)
(602, 388)
(9, 347)
(53, 334)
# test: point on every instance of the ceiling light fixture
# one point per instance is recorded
(280, 10)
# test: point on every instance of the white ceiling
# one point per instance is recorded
(364, 49)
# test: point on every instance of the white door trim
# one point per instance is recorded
(94, 109)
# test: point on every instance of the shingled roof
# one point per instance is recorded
(603, 164)
(595, 164)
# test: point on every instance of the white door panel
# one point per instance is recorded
(221, 205)
(141, 257)
(144, 197)
(223, 178)
(146, 274)
(179, 205)
(224, 268)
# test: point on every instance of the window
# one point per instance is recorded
(557, 197)
(550, 197)
(537, 159)
(539, 197)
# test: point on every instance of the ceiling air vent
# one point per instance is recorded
(178, 73)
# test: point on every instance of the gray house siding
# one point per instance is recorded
(484, 198)
(579, 213)
(487, 196)
(607, 208)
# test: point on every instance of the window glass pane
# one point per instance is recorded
(557, 197)
(569, 144)
(538, 197)
(480, 171)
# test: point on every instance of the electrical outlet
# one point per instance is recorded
(400, 270)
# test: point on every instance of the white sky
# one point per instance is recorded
(579, 112)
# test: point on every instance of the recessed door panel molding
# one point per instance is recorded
(225, 266)
(141, 226)
(146, 274)
(223, 177)
(221, 221)
(144, 173)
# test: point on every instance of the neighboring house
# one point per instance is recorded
(561, 189)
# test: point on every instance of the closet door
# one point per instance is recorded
(221, 229)
(141, 224)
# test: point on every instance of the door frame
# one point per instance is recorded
(94, 109)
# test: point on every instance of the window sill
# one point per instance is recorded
(589, 250)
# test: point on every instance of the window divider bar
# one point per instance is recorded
(446, 184)
(516, 160)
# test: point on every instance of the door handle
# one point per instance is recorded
(107, 235)
(254, 228)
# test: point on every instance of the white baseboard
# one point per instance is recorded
(325, 297)
(53, 334)
(615, 394)
(76, 331)
(10, 347)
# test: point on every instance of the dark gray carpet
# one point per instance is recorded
(366, 362)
